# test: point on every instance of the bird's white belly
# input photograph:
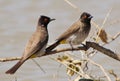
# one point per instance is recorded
(77, 38)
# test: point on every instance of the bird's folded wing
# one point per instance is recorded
(35, 44)
(71, 30)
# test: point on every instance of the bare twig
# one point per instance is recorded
(115, 75)
(105, 51)
(49, 53)
(67, 66)
(116, 36)
(106, 18)
(103, 70)
(88, 44)
(9, 59)
(72, 5)
(81, 73)
(103, 24)
(66, 49)
(38, 65)
(113, 38)
(114, 22)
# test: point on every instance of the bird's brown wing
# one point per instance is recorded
(35, 44)
(71, 30)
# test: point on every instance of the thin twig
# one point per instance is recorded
(106, 18)
(103, 70)
(9, 59)
(38, 65)
(93, 45)
(46, 54)
(79, 73)
(105, 51)
(114, 22)
(104, 21)
(116, 36)
(113, 38)
(115, 75)
(72, 5)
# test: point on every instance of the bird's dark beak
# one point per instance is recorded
(90, 17)
(52, 19)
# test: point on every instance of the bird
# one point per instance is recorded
(75, 34)
(36, 44)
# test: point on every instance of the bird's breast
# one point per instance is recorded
(77, 38)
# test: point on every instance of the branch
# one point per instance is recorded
(88, 44)
(116, 36)
(113, 38)
(105, 51)
(103, 70)
(9, 59)
(85, 48)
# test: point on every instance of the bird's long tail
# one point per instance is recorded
(51, 47)
(15, 67)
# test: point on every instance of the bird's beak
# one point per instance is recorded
(90, 17)
(52, 19)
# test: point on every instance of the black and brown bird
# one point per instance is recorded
(76, 33)
(36, 45)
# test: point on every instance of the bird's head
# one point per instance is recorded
(86, 17)
(44, 20)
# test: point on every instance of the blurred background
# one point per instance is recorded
(18, 20)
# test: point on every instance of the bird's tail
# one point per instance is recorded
(15, 67)
(51, 47)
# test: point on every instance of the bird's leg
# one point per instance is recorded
(83, 44)
(71, 45)
(86, 47)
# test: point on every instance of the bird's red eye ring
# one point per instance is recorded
(45, 20)
(84, 16)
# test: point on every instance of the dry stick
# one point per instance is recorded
(38, 65)
(88, 44)
(105, 51)
(114, 22)
(66, 49)
(103, 24)
(65, 64)
(9, 59)
(100, 68)
(49, 53)
(72, 5)
(115, 75)
(116, 36)
(106, 17)
(113, 38)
